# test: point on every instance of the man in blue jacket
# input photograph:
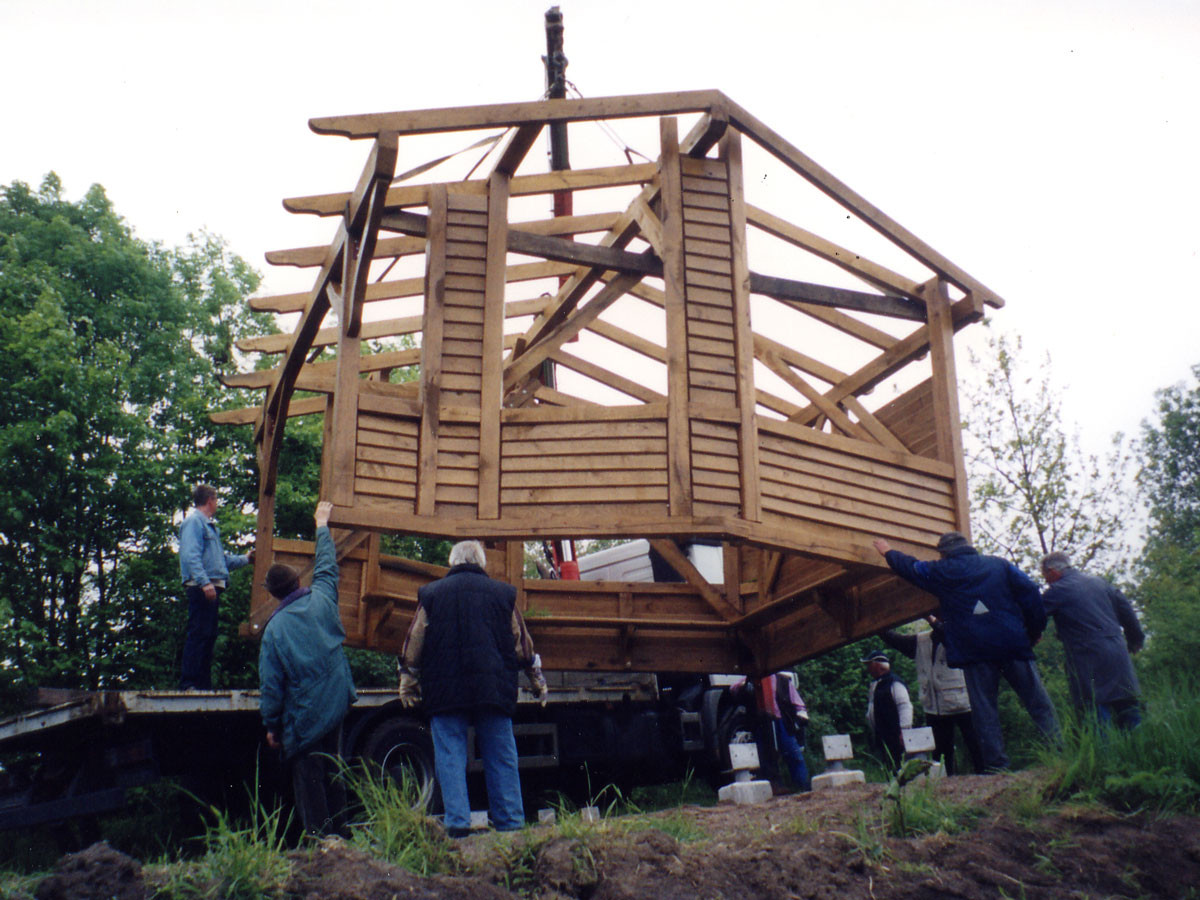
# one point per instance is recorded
(992, 615)
(204, 567)
(305, 682)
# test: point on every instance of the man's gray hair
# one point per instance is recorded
(1056, 561)
(471, 552)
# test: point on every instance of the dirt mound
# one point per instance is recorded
(97, 873)
(813, 846)
(337, 871)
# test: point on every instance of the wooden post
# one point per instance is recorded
(679, 457)
(743, 337)
(492, 377)
(946, 416)
(345, 415)
(431, 352)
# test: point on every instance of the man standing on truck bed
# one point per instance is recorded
(305, 682)
(204, 567)
(460, 661)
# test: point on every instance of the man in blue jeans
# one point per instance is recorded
(460, 661)
(204, 567)
(992, 614)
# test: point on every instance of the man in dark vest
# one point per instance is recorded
(460, 661)
(889, 709)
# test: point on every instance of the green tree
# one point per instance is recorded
(1168, 590)
(109, 351)
(1033, 487)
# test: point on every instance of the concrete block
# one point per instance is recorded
(479, 819)
(744, 793)
(837, 779)
(590, 814)
(918, 740)
(743, 756)
(837, 746)
(547, 817)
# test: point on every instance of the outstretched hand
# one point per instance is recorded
(324, 510)
(882, 546)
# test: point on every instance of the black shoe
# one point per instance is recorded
(458, 832)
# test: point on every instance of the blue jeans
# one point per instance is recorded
(195, 669)
(1125, 713)
(983, 687)
(793, 755)
(497, 750)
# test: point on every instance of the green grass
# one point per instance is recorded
(389, 822)
(242, 860)
(1155, 767)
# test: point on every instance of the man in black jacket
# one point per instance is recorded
(460, 661)
(889, 709)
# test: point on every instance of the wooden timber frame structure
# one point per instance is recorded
(794, 485)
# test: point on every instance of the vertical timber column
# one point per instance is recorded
(431, 352)
(492, 377)
(679, 462)
(946, 417)
(340, 486)
(743, 336)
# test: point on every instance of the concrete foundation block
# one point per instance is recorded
(837, 779)
(479, 819)
(590, 814)
(547, 817)
(744, 793)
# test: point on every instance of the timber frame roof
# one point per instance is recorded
(760, 440)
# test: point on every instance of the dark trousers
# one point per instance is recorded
(943, 739)
(319, 792)
(195, 669)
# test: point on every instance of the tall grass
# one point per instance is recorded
(242, 860)
(1154, 767)
(390, 822)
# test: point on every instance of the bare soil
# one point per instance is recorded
(821, 845)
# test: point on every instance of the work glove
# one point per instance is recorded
(537, 681)
(410, 691)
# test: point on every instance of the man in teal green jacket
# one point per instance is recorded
(305, 682)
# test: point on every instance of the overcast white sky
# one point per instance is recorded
(1050, 148)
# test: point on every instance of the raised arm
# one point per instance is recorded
(325, 567)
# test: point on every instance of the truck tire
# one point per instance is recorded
(398, 743)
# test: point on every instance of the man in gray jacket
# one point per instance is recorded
(943, 692)
(305, 682)
(1098, 629)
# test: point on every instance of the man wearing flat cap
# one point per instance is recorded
(889, 709)
(993, 615)
(305, 682)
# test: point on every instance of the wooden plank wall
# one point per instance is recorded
(612, 459)
(910, 418)
(857, 489)
(385, 461)
(712, 380)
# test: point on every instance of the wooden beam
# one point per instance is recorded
(533, 356)
(516, 148)
(407, 287)
(841, 193)
(402, 196)
(946, 418)
(788, 290)
(507, 115)
(847, 260)
(390, 248)
(278, 343)
(431, 354)
(634, 389)
(491, 387)
(743, 338)
(679, 454)
(676, 559)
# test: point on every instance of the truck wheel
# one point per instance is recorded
(398, 745)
